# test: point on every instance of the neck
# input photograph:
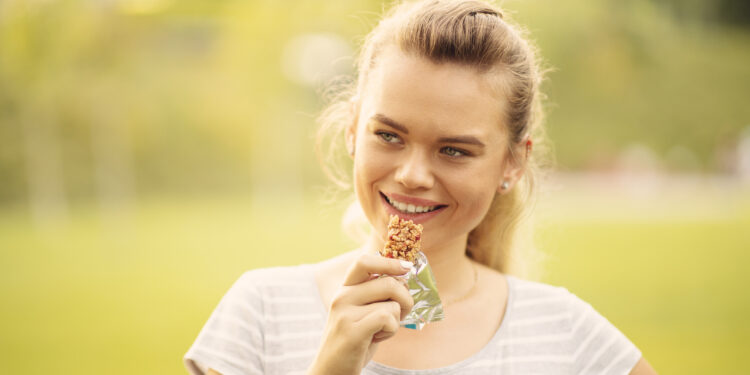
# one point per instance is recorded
(453, 270)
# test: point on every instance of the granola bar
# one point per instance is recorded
(404, 239)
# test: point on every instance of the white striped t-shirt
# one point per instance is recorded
(271, 321)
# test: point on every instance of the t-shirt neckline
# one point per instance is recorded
(384, 369)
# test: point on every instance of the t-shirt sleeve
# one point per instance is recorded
(598, 346)
(231, 342)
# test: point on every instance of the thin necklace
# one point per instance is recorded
(468, 292)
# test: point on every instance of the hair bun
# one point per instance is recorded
(488, 12)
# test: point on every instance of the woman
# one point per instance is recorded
(440, 128)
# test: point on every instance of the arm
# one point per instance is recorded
(643, 368)
(365, 311)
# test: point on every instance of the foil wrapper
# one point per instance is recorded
(423, 288)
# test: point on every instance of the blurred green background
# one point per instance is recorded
(153, 150)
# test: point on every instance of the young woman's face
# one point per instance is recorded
(430, 146)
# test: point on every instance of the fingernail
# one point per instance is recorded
(405, 264)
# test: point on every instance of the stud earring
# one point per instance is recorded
(505, 185)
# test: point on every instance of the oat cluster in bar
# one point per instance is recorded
(404, 239)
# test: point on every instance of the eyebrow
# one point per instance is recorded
(385, 120)
(467, 139)
(464, 139)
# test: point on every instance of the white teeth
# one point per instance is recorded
(410, 208)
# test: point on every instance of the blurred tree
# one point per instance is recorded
(29, 56)
(735, 12)
(100, 100)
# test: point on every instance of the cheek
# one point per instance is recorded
(372, 160)
(474, 190)
(475, 208)
(370, 167)
(477, 198)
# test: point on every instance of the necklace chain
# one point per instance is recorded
(468, 292)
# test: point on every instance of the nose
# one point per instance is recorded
(415, 172)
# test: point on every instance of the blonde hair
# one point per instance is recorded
(477, 35)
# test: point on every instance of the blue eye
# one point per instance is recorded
(388, 137)
(454, 152)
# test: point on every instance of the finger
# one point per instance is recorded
(380, 323)
(369, 264)
(357, 313)
(378, 290)
(391, 307)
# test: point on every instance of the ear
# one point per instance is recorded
(350, 133)
(350, 136)
(515, 167)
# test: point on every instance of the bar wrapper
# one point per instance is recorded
(423, 288)
(404, 242)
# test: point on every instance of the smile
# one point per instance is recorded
(409, 208)
(419, 210)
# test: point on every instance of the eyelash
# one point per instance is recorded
(383, 135)
(448, 150)
(461, 152)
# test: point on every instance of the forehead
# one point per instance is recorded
(445, 98)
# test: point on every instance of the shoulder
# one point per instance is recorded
(555, 305)
(269, 294)
(593, 343)
(537, 298)
(259, 286)
(529, 292)
(276, 275)
(261, 314)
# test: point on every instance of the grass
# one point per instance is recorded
(130, 295)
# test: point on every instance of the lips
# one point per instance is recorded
(411, 200)
(415, 209)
